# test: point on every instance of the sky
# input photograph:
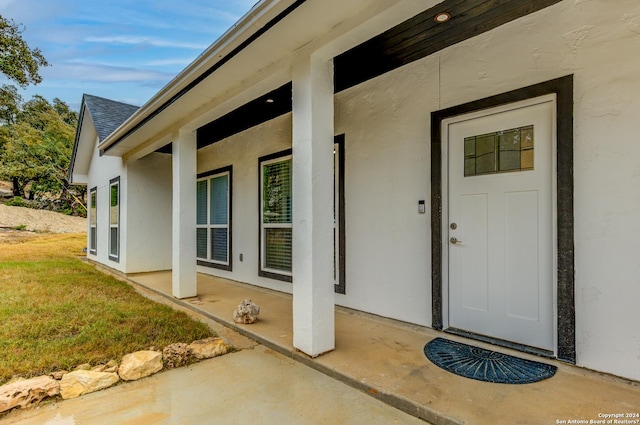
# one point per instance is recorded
(124, 50)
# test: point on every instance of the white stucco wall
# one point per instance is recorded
(387, 173)
(242, 151)
(148, 220)
(386, 126)
(597, 41)
(386, 122)
(145, 211)
(101, 171)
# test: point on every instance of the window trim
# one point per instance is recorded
(270, 273)
(565, 328)
(340, 286)
(114, 182)
(228, 170)
(93, 250)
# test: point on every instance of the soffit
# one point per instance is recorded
(412, 39)
(422, 35)
(84, 146)
(414, 35)
(272, 52)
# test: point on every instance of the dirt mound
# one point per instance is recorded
(40, 220)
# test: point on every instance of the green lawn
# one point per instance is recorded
(57, 312)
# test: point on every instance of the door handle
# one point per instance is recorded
(454, 240)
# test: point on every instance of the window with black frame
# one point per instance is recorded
(213, 219)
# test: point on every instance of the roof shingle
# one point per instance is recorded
(107, 115)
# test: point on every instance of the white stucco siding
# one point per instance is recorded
(386, 127)
(386, 123)
(386, 131)
(598, 42)
(102, 170)
(148, 220)
(242, 152)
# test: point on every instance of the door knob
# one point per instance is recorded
(454, 240)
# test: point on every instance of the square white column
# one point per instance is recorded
(184, 161)
(313, 285)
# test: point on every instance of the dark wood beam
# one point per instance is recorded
(421, 36)
(264, 108)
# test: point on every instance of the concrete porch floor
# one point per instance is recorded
(385, 359)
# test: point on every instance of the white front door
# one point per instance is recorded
(500, 233)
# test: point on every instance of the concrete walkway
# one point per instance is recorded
(253, 386)
(385, 359)
(381, 361)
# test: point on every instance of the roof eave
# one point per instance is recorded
(74, 152)
(261, 14)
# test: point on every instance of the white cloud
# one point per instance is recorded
(118, 48)
(26, 12)
(170, 61)
(103, 73)
(147, 41)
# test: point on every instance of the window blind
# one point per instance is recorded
(113, 206)
(201, 243)
(277, 216)
(113, 241)
(212, 210)
(219, 195)
(277, 192)
(278, 248)
(201, 202)
(92, 214)
(219, 244)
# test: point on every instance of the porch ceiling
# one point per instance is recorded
(421, 36)
(262, 109)
(225, 98)
(411, 40)
(252, 59)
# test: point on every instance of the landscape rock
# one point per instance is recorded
(58, 374)
(27, 392)
(84, 366)
(79, 382)
(111, 366)
(246, 313)
(209, 347)
(140, 364)
(176, 355)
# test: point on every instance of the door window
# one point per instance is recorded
(499, 152)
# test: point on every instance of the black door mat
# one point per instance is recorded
(485, 365)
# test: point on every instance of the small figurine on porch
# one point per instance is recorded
(246, 313)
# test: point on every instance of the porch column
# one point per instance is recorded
(184, 215)
(313, 286)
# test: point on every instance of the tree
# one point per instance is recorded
(37, 148)
(10, 104)
(18, 61)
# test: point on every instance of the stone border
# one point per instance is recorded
(84, 379)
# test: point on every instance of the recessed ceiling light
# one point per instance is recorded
(269, 101)
(442, 17)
